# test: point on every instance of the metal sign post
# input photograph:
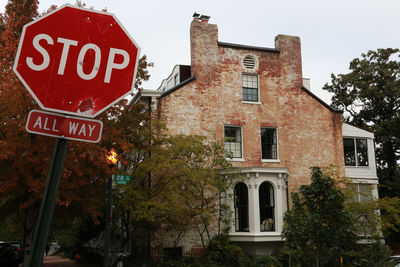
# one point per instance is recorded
(49, 200)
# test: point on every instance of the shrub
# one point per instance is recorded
(221, 251)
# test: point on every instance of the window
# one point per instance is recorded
(269, 143)
(266, 202)
(241, 208)
(250, 87)
(233, 141)
(362, 193)
(176, 80)
(355, 152)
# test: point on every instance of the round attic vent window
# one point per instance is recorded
(249, 62)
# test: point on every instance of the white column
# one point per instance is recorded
(256, 207)
(280, 193)
(252, 211)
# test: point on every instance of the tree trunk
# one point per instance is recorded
(201, 236)
(220, 213)
(316, 259)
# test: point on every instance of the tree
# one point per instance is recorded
(318, 223)
(25, 157)
(177, 187)
(370, 97)
(372, 218)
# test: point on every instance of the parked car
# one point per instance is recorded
(10, 255)
(392, 261)
(16, 244)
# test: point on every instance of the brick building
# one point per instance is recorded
(273, 126)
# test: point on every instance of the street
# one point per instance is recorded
(57, 261)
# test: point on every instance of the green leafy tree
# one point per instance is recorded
(370, 96)
(318, 223)
(372, 218)
(177, 185)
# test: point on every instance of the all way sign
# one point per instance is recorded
(72, 128)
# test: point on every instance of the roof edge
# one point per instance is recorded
(173, 89)
(321, 101)
(145, 93)
(259, 48)
(359, 127)
(172, 72)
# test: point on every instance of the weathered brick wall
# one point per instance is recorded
(309, 133)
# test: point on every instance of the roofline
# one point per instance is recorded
(259, 48)
(321, 101)
(172, 72)
(173, 89)
(160, 94)
(145, 93)
(359, 127)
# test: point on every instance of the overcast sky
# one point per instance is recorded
(332, 32)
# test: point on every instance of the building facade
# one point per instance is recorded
(273, 127)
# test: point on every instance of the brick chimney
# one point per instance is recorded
(204, 49)
(290, 57)
(204, 18)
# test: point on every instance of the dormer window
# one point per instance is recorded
(176, 79)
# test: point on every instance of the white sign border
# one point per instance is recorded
(132, 90)
(64, 116)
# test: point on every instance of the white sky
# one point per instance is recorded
(332, 32)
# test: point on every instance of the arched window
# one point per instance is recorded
(267, 204)
(241, 208)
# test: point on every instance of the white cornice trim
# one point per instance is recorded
(260, 170)
(150, 93)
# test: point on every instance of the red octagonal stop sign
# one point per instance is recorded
(77, 61)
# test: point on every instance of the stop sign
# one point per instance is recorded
(77, 61)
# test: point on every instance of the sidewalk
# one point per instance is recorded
(57, 261)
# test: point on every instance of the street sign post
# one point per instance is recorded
(77, 61)
(73, 61)
(72, 128)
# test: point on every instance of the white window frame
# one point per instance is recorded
(358, 194)
(236, 211)
(355, 152)
(274, 206)
(176, 79)
(258, 88)
(359, 198)
(241, 142)
(277, 145)
(253, 178)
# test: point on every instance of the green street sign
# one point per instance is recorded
(121, 178)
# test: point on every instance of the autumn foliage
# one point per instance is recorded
(25, 158)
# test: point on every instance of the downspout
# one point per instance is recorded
(149, 155)
(287, 195)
